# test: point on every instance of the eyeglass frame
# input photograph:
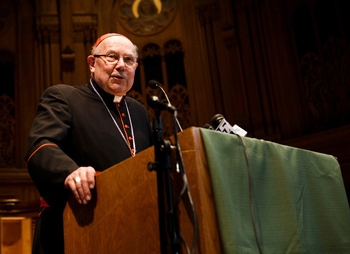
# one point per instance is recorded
(134, 59)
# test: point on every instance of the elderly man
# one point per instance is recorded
(79, 130)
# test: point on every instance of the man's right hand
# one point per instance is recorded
(81, 181)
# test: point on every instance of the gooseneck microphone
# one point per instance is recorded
(220, 124)
(154, 84)
(154, 102)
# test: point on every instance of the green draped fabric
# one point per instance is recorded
(298, 197)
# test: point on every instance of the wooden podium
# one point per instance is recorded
(122, 216)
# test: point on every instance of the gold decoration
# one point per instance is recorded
(146, 17)
(146, 7)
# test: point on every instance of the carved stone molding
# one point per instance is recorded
(174, 46)
(6, 57)
(208, 12)
(326, 85)
(7, 131)
(230, 37)
(178, 96)
(48, 28)
(84, 27)
(7, 16)
(67, 59)
(151, 50)
(146, 17)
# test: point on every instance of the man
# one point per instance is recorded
(83, 129)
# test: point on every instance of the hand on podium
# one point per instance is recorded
(80, 182)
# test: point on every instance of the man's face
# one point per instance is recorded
(114, 78)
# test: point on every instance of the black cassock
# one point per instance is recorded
(73, 128)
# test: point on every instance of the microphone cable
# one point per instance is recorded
(185, 189)
(154, 84)
(250, 194)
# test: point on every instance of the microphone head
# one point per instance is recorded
(155, 103)
(152, 101)
(216, 120)
(208, 126)
(153, 84)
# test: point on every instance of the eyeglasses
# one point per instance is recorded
(113, 59)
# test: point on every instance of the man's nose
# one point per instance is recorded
(120, 63)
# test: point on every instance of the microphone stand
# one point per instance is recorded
(162, 166)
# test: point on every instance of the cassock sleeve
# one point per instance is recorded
(48, 142)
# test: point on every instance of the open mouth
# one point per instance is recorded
(118, 77)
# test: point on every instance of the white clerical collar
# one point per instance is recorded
(117, 99)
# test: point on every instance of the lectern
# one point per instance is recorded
(250, 195)
(122, 216)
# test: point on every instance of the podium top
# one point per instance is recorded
(298, 197)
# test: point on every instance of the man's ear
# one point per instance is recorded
(91, 62)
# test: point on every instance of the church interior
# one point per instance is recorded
(278, 69)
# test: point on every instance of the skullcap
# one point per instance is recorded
(105, 36)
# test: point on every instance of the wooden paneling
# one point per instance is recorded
(16, 235)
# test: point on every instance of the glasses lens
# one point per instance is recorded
(128, 60)
(112, 58)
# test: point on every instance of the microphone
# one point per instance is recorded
(154, 84)
(208, 126)
(220, 124)
(154, 102)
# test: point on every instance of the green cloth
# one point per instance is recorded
(298, 197)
